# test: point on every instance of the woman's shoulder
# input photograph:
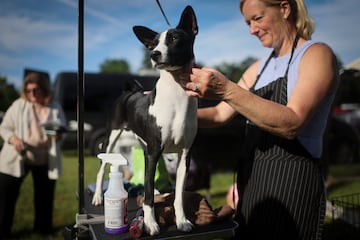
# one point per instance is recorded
(315, 47)
(321, 47)
(18, 103)
(17, 107)
(318, 52)
(315, 54)
(320, 61)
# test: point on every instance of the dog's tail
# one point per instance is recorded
(131, 87)
(119, 116)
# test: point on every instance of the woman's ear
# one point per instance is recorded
(285, 9)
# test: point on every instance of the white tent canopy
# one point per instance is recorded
(354, 64)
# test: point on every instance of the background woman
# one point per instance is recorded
(31, 129)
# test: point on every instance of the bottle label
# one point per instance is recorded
(115, 212)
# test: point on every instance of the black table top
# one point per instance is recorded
(222, 229)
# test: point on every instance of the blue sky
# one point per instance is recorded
(43, 34)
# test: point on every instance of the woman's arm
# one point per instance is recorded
(223, 112)
(317, 78)
(8, 127)
(215, 116)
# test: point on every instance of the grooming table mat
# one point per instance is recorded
(222, 229)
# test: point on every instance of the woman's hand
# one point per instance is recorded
(17, 143)
(207, 83)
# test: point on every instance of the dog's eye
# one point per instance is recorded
(173, 39)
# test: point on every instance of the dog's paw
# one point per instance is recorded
(150, 225)
(97, 200)
(184, 225)
(151, 228)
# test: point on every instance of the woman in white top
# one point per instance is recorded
(31, 130)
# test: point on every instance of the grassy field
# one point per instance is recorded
(66, 203)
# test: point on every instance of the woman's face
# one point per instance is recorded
(265, 22)
(34, 93)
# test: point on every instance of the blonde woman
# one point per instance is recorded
(286, 98)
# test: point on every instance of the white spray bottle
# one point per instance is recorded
(115, 197)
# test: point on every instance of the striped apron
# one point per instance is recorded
(281, 187)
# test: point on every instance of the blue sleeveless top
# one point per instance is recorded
(311, 136)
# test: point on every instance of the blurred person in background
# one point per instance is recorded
(32, 129)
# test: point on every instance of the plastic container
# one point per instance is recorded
(115, 197)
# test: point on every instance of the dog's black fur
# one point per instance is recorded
(164, 119)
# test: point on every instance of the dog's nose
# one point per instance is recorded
(155, 55)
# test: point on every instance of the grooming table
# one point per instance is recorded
(222, 229)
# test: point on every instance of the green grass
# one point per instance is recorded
(66, 203)
(220, 183)
(345, 170)
(344, 188)
(345, 179)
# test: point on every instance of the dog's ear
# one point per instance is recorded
(188, 21)
(145, 35)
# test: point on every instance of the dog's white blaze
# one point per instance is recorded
(161, 47)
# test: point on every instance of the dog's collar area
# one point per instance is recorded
(163, 66)
(180, 74)
(179, 69)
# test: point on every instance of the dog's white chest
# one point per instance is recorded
(174, 111)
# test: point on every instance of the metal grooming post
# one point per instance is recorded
(80, 106)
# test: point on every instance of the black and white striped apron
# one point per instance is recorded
(280, 184)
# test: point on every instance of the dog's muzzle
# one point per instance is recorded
(155, 56)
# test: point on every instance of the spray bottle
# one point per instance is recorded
(115, 197)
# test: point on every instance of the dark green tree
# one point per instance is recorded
(8, 94)
(115, 66)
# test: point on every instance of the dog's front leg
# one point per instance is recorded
(97, 198)
(182, 223)
(151, 226)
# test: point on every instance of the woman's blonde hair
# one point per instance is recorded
(299, 15)
(43, 83)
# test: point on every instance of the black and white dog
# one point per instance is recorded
(164, 120)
